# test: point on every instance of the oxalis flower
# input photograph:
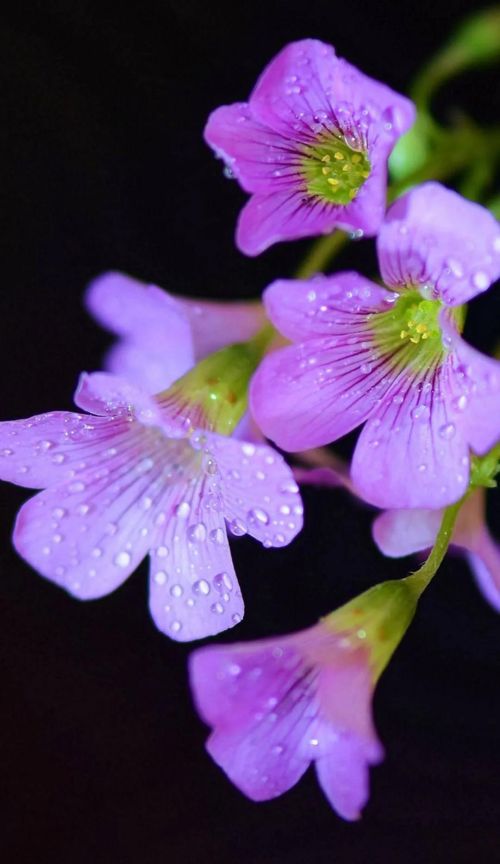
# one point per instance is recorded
(138, 475)
(311, 145)
(277, 705)
(392, 356)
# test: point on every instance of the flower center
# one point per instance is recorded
(332, 170)
(410, 329)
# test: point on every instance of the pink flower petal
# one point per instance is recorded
(49, 448)
(477, 391)
(278, 704)
(91, 533)
(432, 236)
(104, 394)
(283, 214)
(306, 88)
(154, 326)
(402, 532)
(253, 152)
(410, 453)
(215, 324)
(325, 306)
(260, 496)
(485, 565)
(193, 591)
(344, 776)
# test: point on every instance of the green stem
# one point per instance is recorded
(322, 252)
(423, 576)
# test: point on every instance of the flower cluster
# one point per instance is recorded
(164, 458)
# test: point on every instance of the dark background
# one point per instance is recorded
(102, 166)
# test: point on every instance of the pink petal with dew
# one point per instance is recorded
(91, 533)
(255, 154)
(476, 405)
(412, 452)
(307, 90)
(193, 591)
(50, 448)
(283, 214)
(310, 394)
(432, 236)
(104, 394)
(260, 496)
(274, 708)
(338, 306)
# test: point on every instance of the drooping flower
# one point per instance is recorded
(134, 476)
(311, 146)
(162, 336)
(403, 532)
(276, 705)
(392, 356)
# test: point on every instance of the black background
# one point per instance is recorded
(103, 166)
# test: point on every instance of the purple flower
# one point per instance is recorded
(311, 146)
(392, 357)
(161, 336)
(129, 479)
(279, 704)
(403, 532)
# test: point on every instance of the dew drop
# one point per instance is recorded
(146, 502)
(421, 413)
(160, 577)
(235, 618)
(201, 587)
(217, 536)
(217, 608)
(222, 582)
(175, 626)
(58, 512)
(76, 487)
(480, 280)
(162, 552)
(183, 510)
(248, 449)
(177, 590)
(447, 431)
(197, 533)
(122, 559)
(237, 527)
(257, 516)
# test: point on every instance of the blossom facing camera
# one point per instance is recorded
(133, 477)
(311, 146)
(277, 705)
(392, 357)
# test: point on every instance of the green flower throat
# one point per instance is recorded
(332, 170)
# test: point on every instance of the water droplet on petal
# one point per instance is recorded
(222, 582)
(201, 587)
(447, 431)
(257, 516)
(183, 510)
(197, 533)
(237, 527)
(122, 559)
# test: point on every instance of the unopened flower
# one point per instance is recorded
(392, 357)
(311, 146)
(162, 336)
(277, 705)
(134, 476)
